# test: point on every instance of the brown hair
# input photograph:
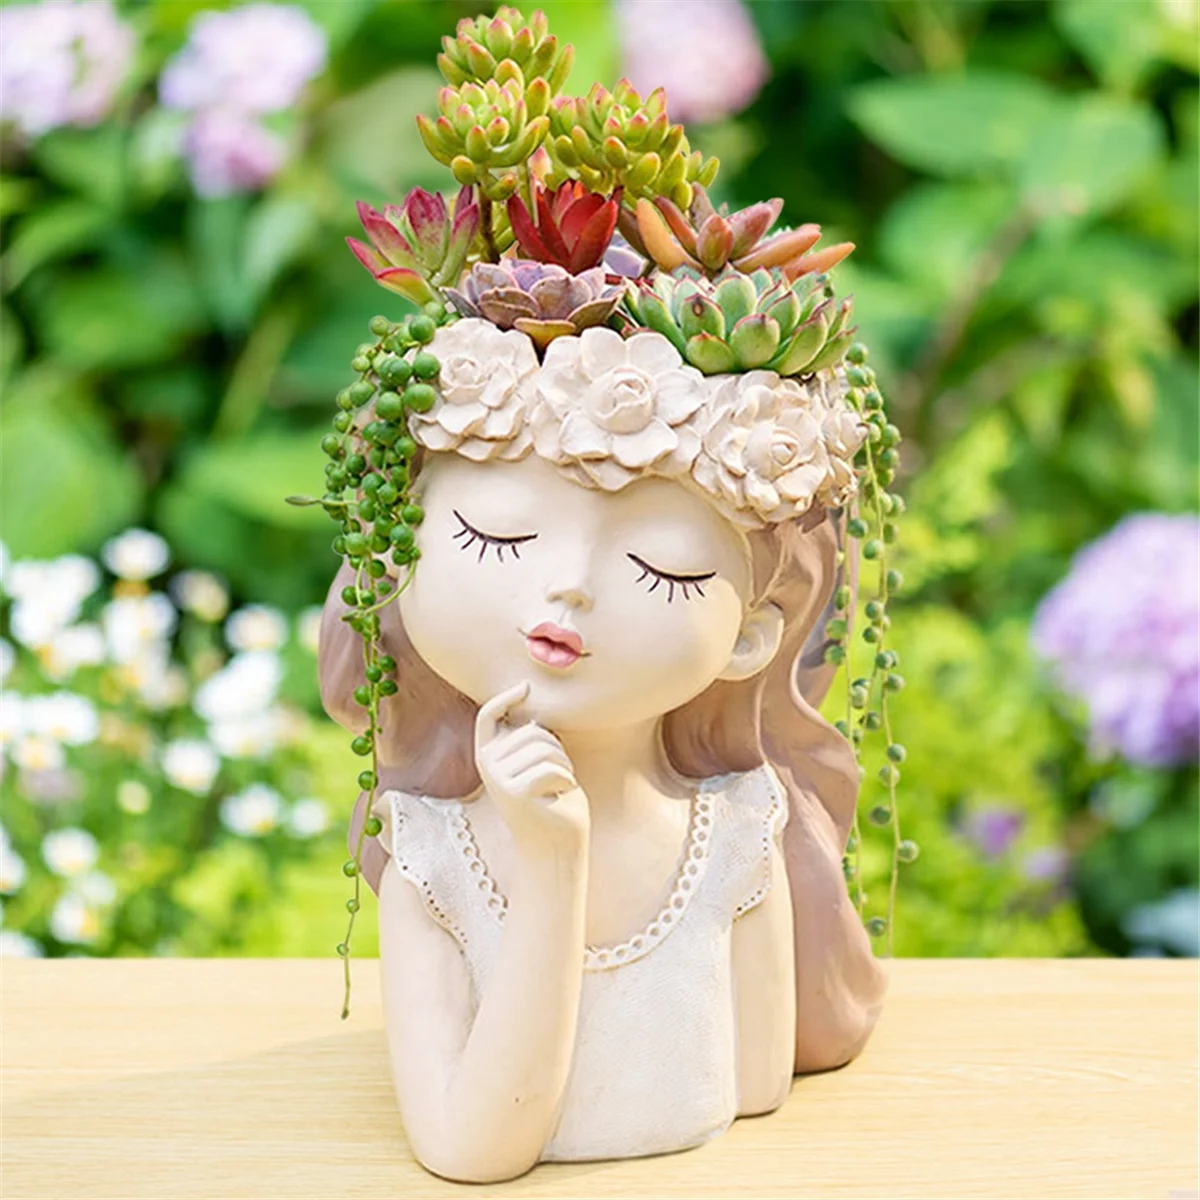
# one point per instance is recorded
(426, 747)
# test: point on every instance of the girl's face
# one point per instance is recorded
(615, 606)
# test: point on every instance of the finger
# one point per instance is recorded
(487, 722)
(526, 735)
(522, 759)
(544, 779)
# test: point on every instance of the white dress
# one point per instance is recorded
(654, 1068)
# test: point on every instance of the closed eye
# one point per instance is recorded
(471, 535)
(673, 581)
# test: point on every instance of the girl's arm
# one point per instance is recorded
(765, 996)
(479, 1092)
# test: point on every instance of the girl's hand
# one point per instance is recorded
(528, 775)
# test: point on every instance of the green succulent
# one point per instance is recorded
(616, 139)
(740, 322)
(481, 46)
(484, 131)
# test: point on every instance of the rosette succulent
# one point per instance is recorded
(743, 322)
(616, 139)
(572, 227)
(543, 300)
(482, 129)
(480, 46)
(418, 248)
(708, 240)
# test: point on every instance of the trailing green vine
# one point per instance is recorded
(368, 494)
(875, 528)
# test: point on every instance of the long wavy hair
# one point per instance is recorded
(427, 739)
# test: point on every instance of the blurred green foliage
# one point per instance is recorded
(1021, 180)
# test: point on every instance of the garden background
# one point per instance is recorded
(179, 309)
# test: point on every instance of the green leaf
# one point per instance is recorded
(953, 124)
(12, 344)
(114, 318)
(1089, 155)
(90, 161)
(52, 232)
(1120, 41)
(934, 230)
(216, 233)
(65, 483)
(278, 231)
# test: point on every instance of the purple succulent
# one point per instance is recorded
(1122, 634)
(542, 300)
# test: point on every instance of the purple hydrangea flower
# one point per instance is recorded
(236, 68)
(993, 828)
(253, 60)
(61, 63)
(1122, 634)
(706, 53)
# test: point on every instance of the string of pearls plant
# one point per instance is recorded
(368, 481)
(875, 527)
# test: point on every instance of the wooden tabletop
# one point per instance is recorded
(237, 1078)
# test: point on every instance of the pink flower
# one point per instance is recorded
(706, 53)
(61, 63)
(228, 152)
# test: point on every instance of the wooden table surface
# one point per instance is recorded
(237, 1078)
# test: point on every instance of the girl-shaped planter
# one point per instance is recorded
(613, 915)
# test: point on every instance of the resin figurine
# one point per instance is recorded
(592, 502)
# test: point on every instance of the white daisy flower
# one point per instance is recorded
(252, 812)
(12, 868)
(71, 648)
(17, 945)
(132, 624)
(202, 594)
(256, 627)
(136, 554)
(70, 852)
(32, 752)
(191, 764)
(308, 818)
(75, 920)
(64, 717)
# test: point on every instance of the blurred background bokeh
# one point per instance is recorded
(178, 309)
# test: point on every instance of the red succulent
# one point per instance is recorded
(573, 226)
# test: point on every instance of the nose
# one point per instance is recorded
(574, 595)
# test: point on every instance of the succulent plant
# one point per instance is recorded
(489, 128)
(418, 248)
(741, 322)
(542, 300)
(480, 46)
(572, 227)
(707, 239)
(616, 139)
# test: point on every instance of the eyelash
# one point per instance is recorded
(486, 539)
(683, 582)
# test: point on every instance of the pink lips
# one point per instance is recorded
(554, 646)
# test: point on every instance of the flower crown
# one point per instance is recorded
(583, 299)
(607, 410)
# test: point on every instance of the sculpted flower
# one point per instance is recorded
(611, 407)
(843, 430)
(481, 405)
(763, 453)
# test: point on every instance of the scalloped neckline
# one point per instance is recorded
(693, 859)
